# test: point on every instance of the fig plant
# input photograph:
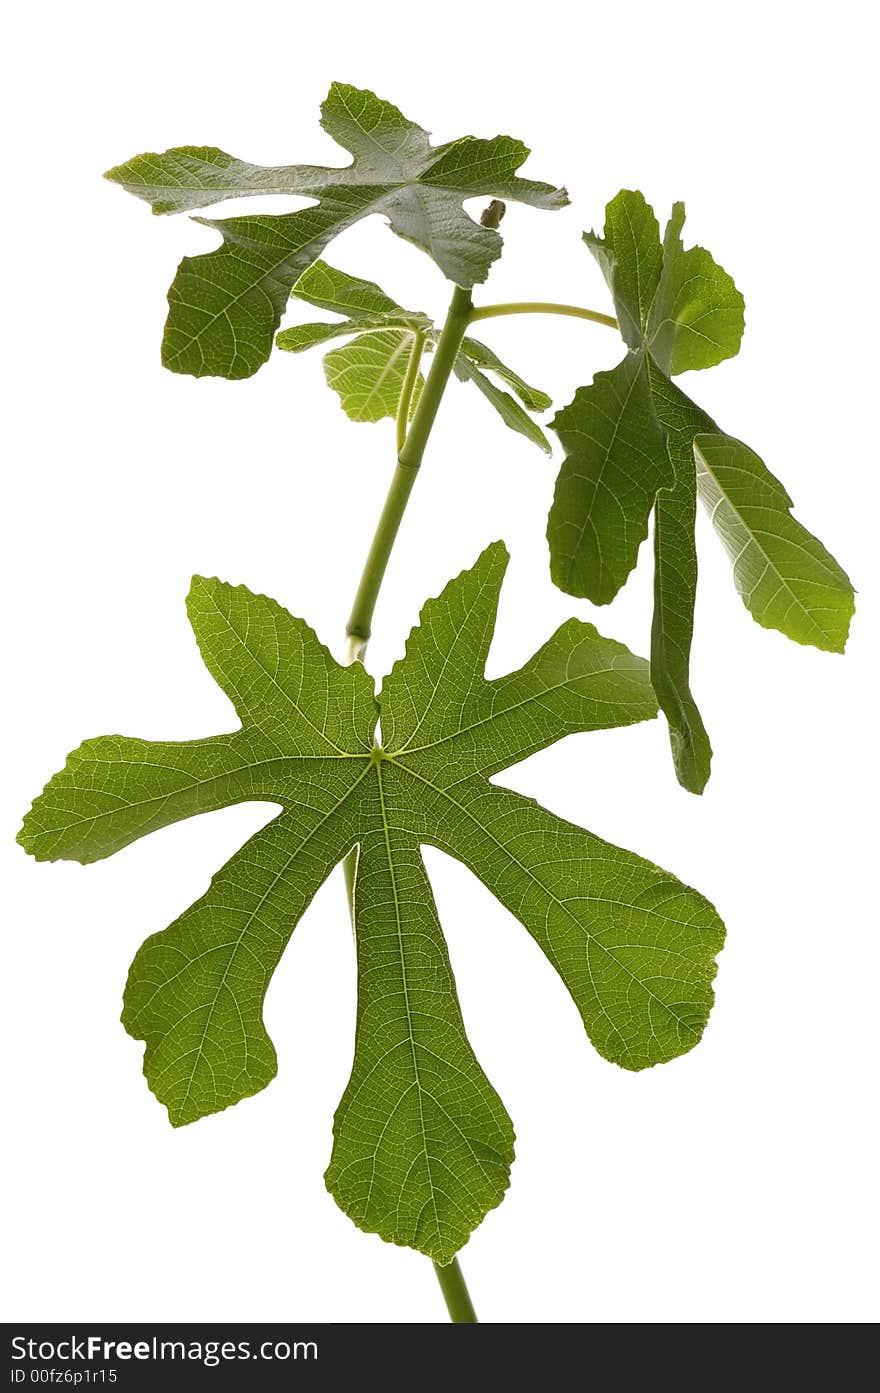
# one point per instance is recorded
(422, 1143)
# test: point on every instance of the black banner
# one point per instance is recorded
(132, 1356)
(138, 1357)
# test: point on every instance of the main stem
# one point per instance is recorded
(409, 458)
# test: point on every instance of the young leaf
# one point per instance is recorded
(631, 260)
(422, 1144)
(631, 442)
(362, 303)
(483, 357)
(508, 408)
(368, 374)
(226, 305)
(697, 315)
(329, 289)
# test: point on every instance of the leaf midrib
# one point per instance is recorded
(123, 808)
(403, 346)
(386, 833)
(504, 711)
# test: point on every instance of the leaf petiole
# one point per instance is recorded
(455, 1293)
(541, 307)
(409, 459)
(409, 386)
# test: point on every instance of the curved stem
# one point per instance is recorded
(455, 1292)
(409, 459)
(542, 307)
(409, 386)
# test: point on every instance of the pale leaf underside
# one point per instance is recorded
(225, 306)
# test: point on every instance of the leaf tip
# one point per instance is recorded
(28, 836)
(496, 553)
(117, 173)
(46, 842)
(201, 586)
(691, 774)
(23, 835)
(442, 1245)
(688, 738)
(840, 637)
(493, 559)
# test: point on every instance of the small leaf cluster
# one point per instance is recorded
(369, 373)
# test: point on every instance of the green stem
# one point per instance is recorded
(409, 386)
(409, 459)
(455, 1292)
(542, 307)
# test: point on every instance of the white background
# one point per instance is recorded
(731, 1185)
